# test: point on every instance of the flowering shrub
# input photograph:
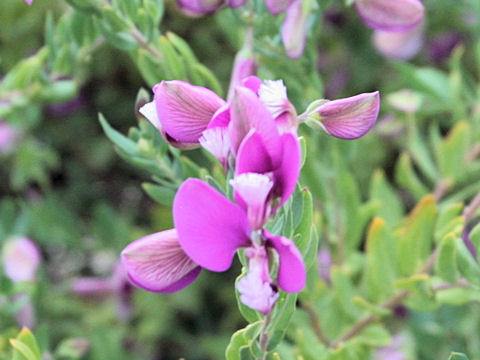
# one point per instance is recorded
(310, 179)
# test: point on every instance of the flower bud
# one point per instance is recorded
(294, 29)
(348, 118)
(391, 15)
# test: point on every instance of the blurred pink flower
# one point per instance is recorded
(399, 45)
(21, 259)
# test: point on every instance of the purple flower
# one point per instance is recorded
(21, 259)
(29, 2)
(394, 351)
(324, 264)
(399, 45)
(388, 15)
(348, 118)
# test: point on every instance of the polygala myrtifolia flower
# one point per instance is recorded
(266, 172)
(399, 45)
(293, 29)
(391, 15)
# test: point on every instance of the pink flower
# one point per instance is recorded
(29, 2)
(399, 45)
(21, 259)
(388, 15)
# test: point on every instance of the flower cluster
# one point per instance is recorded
(293, 29)
(254, 135)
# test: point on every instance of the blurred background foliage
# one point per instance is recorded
(63, 185)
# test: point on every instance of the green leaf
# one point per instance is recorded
(446, 264)
(451, 155)
(391, 208)
(241, 340)
(457, 356)
(446, 217)
(160, 194)
(381, 262)
(281, 316)
(405, 176)
(418, 149)
(173, 61)
(123, 142)
(28, 339)
(474, 237)
(416, 238)
(467, 265)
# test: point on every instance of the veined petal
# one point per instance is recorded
(184, 110)
(247, 113)
(210, 227)
(388, 15)
(349, 118)
(149, 111)
(291, 270)
(286, 175)
(157, 263)
(277, 6)
(221, 118)
(216, 142)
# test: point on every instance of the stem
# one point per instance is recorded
(446, 286)
(264, 335)
(316, 324)
(388, 305)
(144, 43)
(470, 210)
(442, 187)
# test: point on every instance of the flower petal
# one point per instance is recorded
(157, 263)
(294, 29)
(21, 259)
(247, 113)
(388, 15)
(286, 175)
(291, 271)
(399, 45)
(253, 83)
(210, 227)
(253, 156)
(277, 6)
(184, 110)
(350, 118)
